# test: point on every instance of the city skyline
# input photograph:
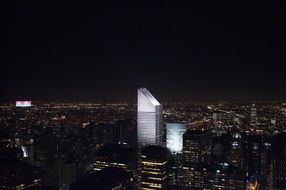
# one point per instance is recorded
(188, 146)
(143, 95)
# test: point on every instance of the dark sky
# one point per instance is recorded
(92, 51)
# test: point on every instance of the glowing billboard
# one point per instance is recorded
(23, 103)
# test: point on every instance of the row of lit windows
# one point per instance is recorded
(153, 163)
(155, 185)
(155, 173)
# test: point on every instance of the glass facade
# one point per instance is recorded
(174, 134)
(149, 119)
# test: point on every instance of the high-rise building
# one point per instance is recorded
(154, 168)
(197, 146)
(209, 177)
(195, 176)
(253, 154)
(225, 177)
(278, 173)
(236, 151)
(253, 113)
(196, 157)
(174, 133)
(67, 174)
(149, 119)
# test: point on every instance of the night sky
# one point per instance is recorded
(90, 51)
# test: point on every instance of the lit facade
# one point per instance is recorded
(253, 114)
(115, 157)
(149, 119)
(197, 146)
(195, 176)
(213, 177)
(23, 103)
(175, 133)
(154, 168)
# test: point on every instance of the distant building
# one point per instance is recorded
(256, 155)
(213, 177)
(236, 151)
(149, 119)
(197, 146)
(154, 168)
(278, 164)
(115, 156)
(195, 176)
(128, 128)
(23, 104)
(6, 139)
(67, 175)
(174, 136)
(11, 154)
(196, 157)
(27, 147)
(108, 178)
(225, 177)
(253, 114)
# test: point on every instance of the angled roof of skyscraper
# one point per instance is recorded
(149, 96)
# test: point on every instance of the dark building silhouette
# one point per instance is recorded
(113, 156)
(108, 178)
(19, 175)
(67, 174)
(278, 164)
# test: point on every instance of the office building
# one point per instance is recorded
(236, 153)
(225, 177)
(149, 119)
(278, 165)
(253, 154)
(174, 136)
(253, 113)
(196, 146)
(115, 156)
(196, 159)
(67, 174)
(194, 176)
(154, 168)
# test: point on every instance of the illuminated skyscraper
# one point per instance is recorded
(253, 114)
(149, 119)
(175, 133)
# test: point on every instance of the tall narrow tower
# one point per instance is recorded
(149, 119)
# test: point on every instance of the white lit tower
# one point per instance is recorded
(149, 119)
(253, 114)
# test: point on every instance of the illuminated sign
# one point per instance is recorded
(23, 103)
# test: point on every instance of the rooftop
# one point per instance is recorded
(149, 96)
